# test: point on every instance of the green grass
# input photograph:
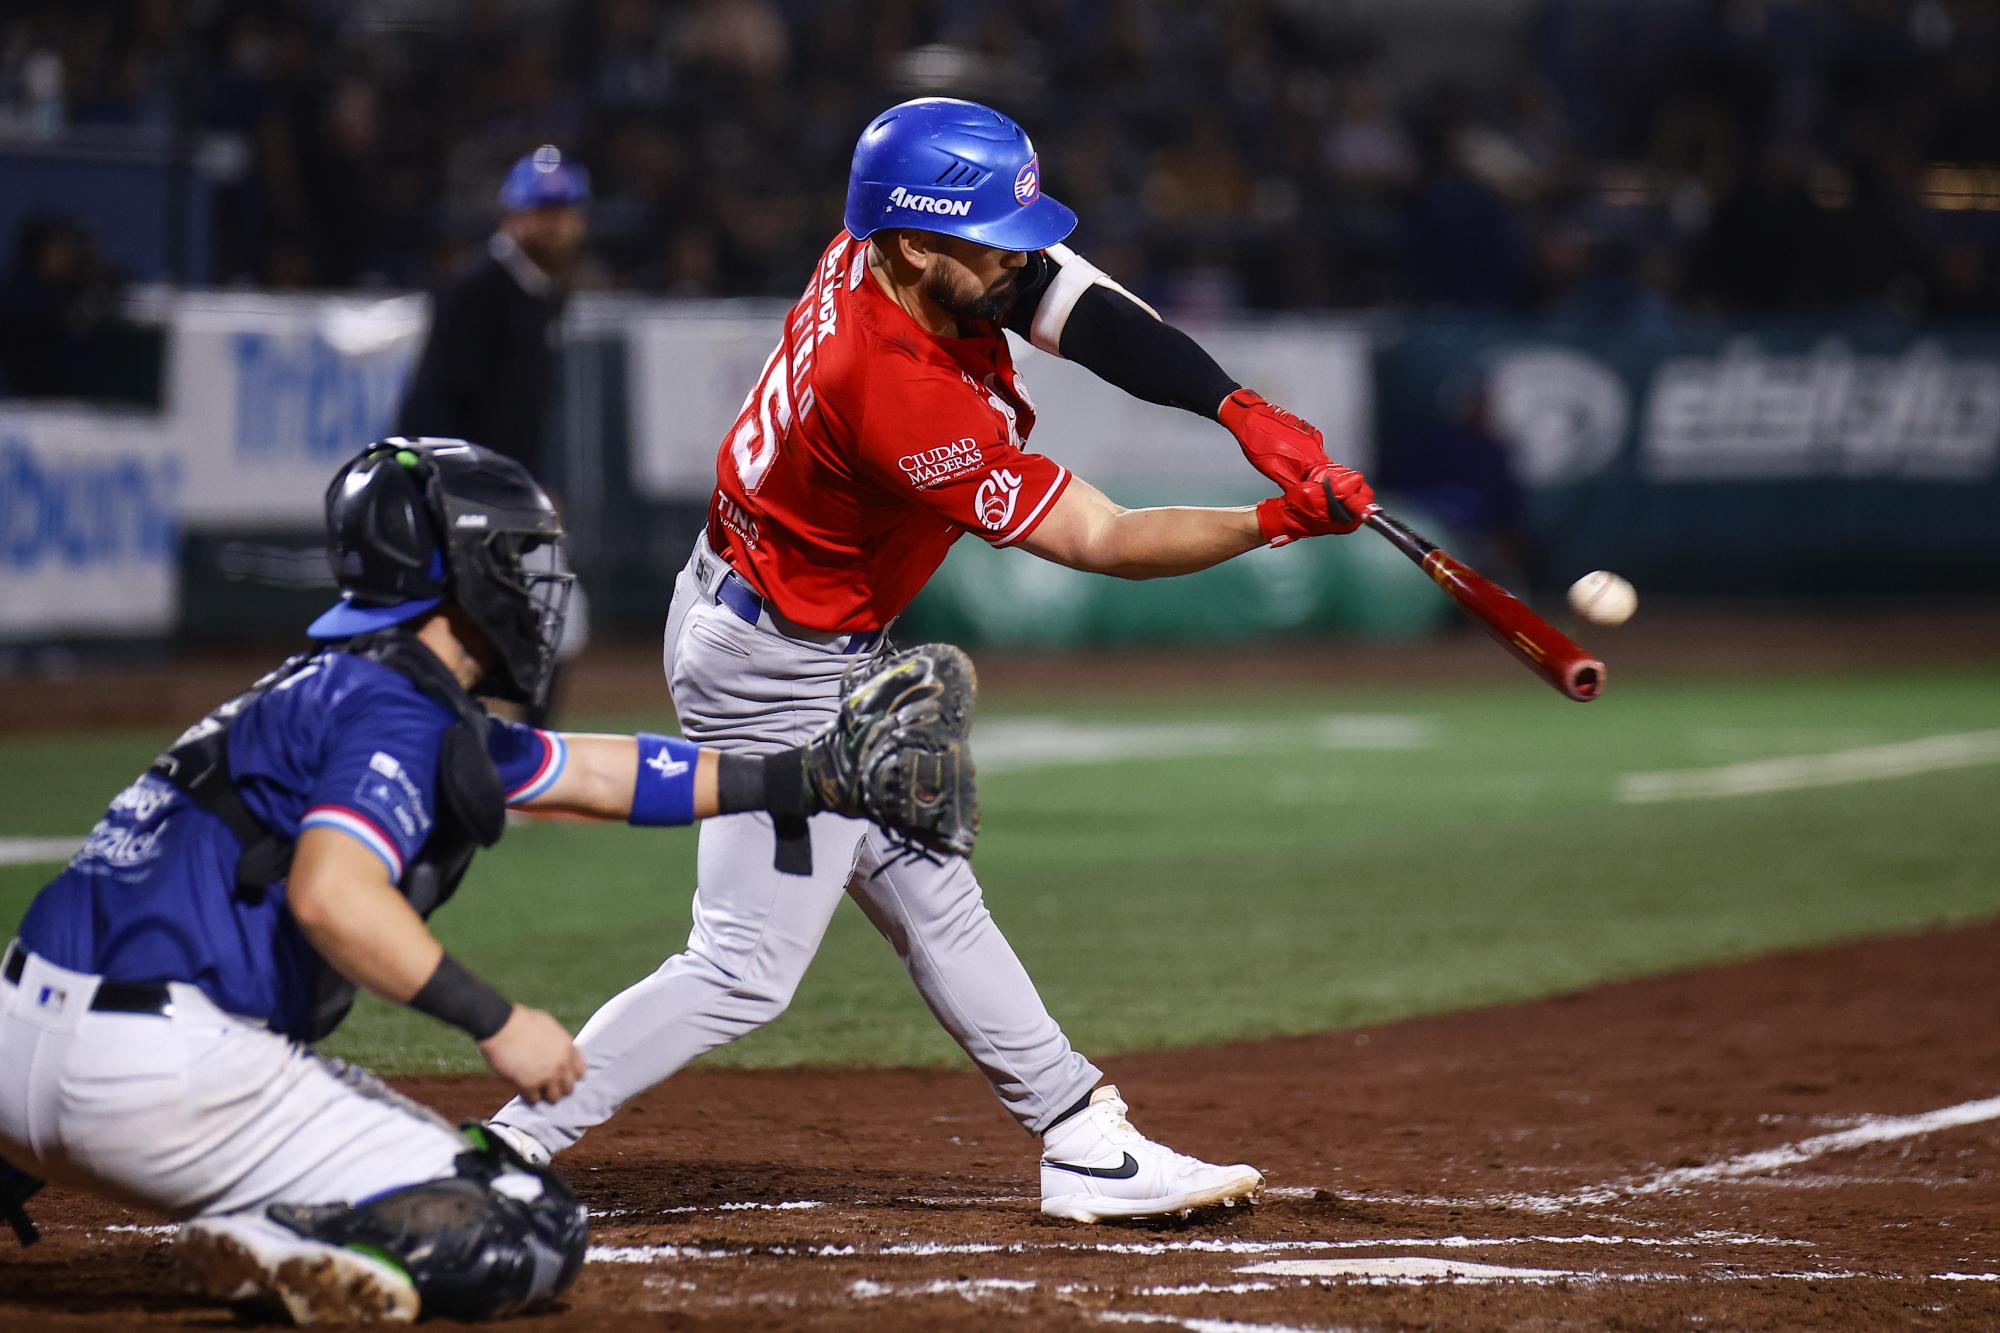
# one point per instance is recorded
(1281, 888)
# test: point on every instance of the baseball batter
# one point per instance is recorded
(889, 421)
(154, 1012)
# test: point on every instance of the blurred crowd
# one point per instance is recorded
(1627, 160)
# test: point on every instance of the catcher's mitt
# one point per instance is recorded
(899, 752)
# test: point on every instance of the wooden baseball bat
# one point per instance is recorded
(1542, 648)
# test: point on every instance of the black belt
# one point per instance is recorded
(113, 997)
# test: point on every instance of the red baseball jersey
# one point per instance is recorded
(866, 448)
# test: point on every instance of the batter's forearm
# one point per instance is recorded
(1159, 543)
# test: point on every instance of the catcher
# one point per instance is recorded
(157, 1009)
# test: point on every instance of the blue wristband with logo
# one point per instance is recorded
(664, 793)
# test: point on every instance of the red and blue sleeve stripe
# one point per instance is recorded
(555, 754)
(359, 826)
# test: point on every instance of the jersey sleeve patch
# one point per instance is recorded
(378, 784)
(360, 827)
(1011, 508)
(387, 794)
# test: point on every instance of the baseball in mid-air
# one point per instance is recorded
(1603, 598)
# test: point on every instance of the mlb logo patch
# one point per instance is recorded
(52, 997)
(1028, 182)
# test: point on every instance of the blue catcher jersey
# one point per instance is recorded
(343, 743)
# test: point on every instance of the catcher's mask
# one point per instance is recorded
(416, 523)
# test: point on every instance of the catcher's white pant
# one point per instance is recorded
(196, 1112)
(748, 688)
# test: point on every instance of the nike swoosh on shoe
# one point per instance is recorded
(1125, 1170)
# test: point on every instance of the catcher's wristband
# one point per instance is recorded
(663, 791)
(454, 995)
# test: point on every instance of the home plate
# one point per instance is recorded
(1401, 1266)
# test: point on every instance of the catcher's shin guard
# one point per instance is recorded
(499, 1237)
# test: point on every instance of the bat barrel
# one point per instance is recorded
(1541, 647)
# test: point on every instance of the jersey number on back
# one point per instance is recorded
(766, 416)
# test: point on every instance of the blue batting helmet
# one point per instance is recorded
(940, 164)
(543, 179)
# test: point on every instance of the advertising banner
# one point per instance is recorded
(266, 396)
(1765, 459)
(89, 526)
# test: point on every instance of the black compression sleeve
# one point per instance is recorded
(1122, 344)
(453, 995)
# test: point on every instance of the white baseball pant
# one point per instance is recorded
(195, 1112)
(756, 688)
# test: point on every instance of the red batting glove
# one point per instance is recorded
(1282, 445)
(1330, 499)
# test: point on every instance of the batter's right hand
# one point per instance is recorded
(1330, 498)
(535, 1054)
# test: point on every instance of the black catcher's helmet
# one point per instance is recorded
(412, 523)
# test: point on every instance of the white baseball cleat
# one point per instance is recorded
(1096, 1167)
(243, 1258)
(521, 1142)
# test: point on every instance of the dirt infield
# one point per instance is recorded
(1806, 1141)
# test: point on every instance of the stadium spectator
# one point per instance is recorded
(56, 298)
(1675, 144)
(487, 369)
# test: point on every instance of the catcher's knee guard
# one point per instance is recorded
(500, 1236)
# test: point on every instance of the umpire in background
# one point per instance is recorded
(489, 363)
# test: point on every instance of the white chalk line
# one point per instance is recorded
(37, 851)
(641, 1254)
(1866, 1131)
(1880, 1129)
(1422, 1270)
(1199, 1325)
(1868, 763)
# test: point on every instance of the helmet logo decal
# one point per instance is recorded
(927, 203)
(1028, 182)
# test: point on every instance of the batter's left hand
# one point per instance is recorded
(1282, 445)
(1329, 499)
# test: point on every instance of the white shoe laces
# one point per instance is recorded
(1121, 1133)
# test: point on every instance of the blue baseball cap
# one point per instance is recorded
(543, 179)
(960, 168)
(347, 617)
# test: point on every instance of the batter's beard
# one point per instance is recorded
(993, 304)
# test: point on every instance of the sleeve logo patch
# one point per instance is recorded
(931, 466)
(996, 498)
(386, 793)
